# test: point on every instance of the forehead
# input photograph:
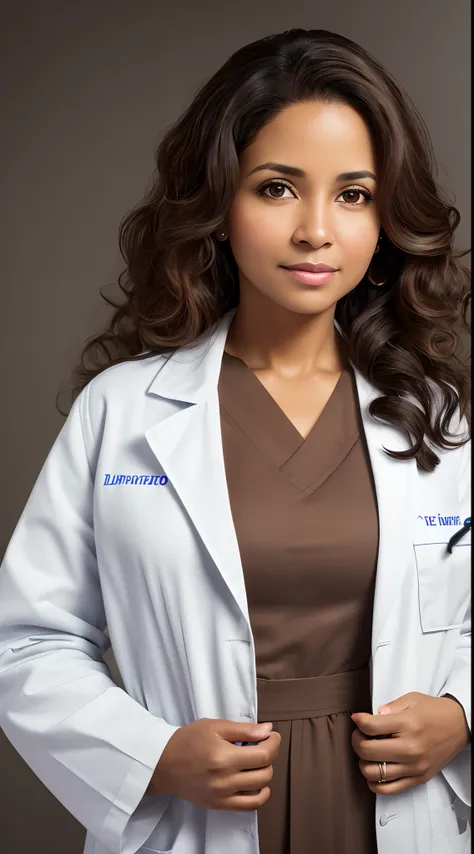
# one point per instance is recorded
(316, 137)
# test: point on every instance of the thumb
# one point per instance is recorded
(254, 732)
(396, 706)
(234, 731)
(262, 729)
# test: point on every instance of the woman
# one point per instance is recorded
(302, 555)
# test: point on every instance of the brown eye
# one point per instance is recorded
(270, 184)
(356, 191)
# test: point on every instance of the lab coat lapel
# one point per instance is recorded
(188, 446)
(395, 487)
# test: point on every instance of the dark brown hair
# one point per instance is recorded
(179, 279)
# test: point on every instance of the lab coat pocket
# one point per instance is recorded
(447, 839)
(443, 585)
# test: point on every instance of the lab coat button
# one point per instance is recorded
(384, 819)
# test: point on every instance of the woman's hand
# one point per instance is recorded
(416, 735)
(203, 763)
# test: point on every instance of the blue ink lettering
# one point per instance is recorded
(135, 479)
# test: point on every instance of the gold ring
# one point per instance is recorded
(383, 772)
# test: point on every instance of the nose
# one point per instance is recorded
(313, 224)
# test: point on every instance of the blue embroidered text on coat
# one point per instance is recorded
(135, 479)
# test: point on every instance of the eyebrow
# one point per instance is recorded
(300, 173)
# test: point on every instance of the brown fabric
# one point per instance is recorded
(306, 520)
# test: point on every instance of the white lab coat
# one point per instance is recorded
(102, 545)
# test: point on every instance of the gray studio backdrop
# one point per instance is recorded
(87, 88)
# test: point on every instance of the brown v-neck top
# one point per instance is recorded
(306, 521)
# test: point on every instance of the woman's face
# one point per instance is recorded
(279, 219)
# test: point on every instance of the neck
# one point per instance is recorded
(276, 339)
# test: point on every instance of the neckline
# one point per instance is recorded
(305, 462)
(273, 404)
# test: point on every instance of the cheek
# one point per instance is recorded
(359, 242)
(252, 229)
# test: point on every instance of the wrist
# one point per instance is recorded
(463, 728)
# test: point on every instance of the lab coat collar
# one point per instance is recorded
(192, 372)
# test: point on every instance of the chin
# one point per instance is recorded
(315, 304)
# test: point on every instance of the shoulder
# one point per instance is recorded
(127, 378)
(117, 389)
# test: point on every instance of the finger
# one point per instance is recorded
(393, 770)
(245, 782)
(383, 750)
(241, 803)
(248, 758)
(381, 724)
(393, 788)
(376, 749)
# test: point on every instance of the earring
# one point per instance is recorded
(376, 284)
(222, 235)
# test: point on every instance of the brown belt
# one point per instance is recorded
(314, 696)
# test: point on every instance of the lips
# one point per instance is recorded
(307, 277)
(313, 268)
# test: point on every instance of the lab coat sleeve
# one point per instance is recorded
(458, 684)
(89, 742)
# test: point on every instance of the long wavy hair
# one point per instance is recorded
(403, 337)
